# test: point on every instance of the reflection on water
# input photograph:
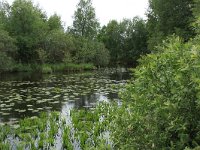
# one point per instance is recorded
(23, 95)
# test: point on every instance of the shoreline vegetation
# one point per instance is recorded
(49, 68)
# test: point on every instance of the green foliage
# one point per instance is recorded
(6, 63)
(85, 23)
(85, 50)
(110, 35)
(90, 51)
(89, 129)
(31, 133)
(196, 14)
(7, 51)
(46, 69)
(40, 40)
(169, 17)
(102, 55)
(49, 68)
(135, 41)
(4, 14)
(41, 56)
(58, 47)
(126, 40)
(66, 139)
(55, 22)
(27, 67)
(161, 105)
(27, 25)
(7, 44)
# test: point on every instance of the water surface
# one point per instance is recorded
(25, 95)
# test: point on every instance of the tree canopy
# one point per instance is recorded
(85, 23)
(39, 38)
(169, 17)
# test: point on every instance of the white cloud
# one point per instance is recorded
(105, 9)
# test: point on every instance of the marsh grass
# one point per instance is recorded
(49, 68)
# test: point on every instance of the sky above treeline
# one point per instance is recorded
(106, 10)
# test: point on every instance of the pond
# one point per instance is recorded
(26, 95)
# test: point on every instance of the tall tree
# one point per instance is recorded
(28, 26)
(166, 17)
(110, 35)
(55, 22)
(126, 40)
(85, 23)
(4, 14)
(135, 40)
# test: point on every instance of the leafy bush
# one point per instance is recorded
(163, 100)
(7, 44)
(102, 55)
(58, 47)
(90, 51)
(6, 63)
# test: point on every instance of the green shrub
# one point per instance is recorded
(161, 107)
(6, 63)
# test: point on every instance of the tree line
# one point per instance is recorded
(29, 36)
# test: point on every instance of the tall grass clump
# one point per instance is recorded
(72, 67)
(22, 68)
(46, 69)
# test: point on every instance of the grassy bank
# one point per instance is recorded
(50, 68)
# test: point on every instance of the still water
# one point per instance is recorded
(26, 95)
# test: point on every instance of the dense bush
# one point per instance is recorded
(7, 51)
(7, 44)
(6, 63)
(90, 51)
(163, 110)
(58, 47)
(102, 55)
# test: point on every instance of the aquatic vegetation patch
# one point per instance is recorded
(31, 133)
(90, 127)
(84, 129)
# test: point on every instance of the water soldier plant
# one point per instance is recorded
(41, 132)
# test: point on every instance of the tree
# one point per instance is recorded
(55, 22)
(58, 47)
(7, 51)
(85, 23)
(126, 41)
(7, 44)
(110, 35)
(102, 55)
(169, 17)
(135, 40)
(196, 13)
(4, 14)
(85, 50)
(27, 24)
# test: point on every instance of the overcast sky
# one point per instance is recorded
(105, 9)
